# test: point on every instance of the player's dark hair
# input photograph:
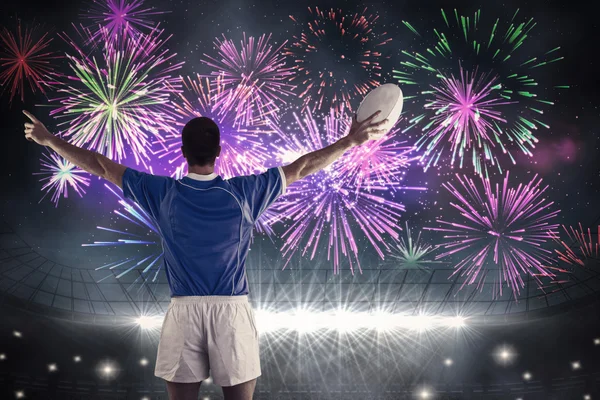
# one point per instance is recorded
(200, 139)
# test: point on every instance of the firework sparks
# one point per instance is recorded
(504, 227)
(116, 100)
(326, 205)
(476, 118)
(243, 150)
(141, 231)
(584, 247)
(264, 223)
(378, 164)
(254, 78)
(119, 18)
(329, 54)
(375, 165)
(412, 253)
(465, 118)
(60, 175)
(24, 57)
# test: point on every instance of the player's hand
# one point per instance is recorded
(35, 131)
(360, 132)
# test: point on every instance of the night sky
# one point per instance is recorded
(565, 157)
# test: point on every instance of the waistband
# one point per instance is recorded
(209, 299)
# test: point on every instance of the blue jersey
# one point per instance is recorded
(206, 224)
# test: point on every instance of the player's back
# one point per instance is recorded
(206, 225)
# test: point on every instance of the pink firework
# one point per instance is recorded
(336, 58)
(379, 164)
(375, 165)
(503, 227)
(60, 175)
(326, 207)
(463, 120)
(243, 149)
(25, 57)
(254, 78)
(120, 18)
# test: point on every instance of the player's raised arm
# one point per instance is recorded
(90, 161)
(360, 132)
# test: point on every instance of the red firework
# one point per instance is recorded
(330, 53)
(580, 247)
(24, 58)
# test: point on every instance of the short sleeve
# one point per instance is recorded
(261, 190)
(145, 189)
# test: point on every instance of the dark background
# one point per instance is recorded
(546, 347)
(573, 182)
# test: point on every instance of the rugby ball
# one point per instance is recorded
(387, 98)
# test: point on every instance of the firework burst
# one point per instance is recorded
(477, 118)
(119, 97)
(331, 51)
(324, 206)
(141, 233)
(243, 149)
(584, 248)
(502, 227)
(465, 119)
(25, 57)
(378, 164)
(375, 165)
(412, 253)
(119, 18)
(254, 78)
(60, 175)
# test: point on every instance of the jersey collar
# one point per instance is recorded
(201, 177)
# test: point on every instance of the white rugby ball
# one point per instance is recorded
(387, 98)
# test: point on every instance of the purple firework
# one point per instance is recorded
(378, 164)
(325, 206)
(464, 117)
(254, 78)
(503, 227)
(60, 174)
(120, 18)
(118, 97)
(243, 149)
(499, 47)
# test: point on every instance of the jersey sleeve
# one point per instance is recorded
(261, 190)
(145, 189)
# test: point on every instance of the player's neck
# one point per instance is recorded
(202, 170)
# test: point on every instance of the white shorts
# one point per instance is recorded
(209, 336)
